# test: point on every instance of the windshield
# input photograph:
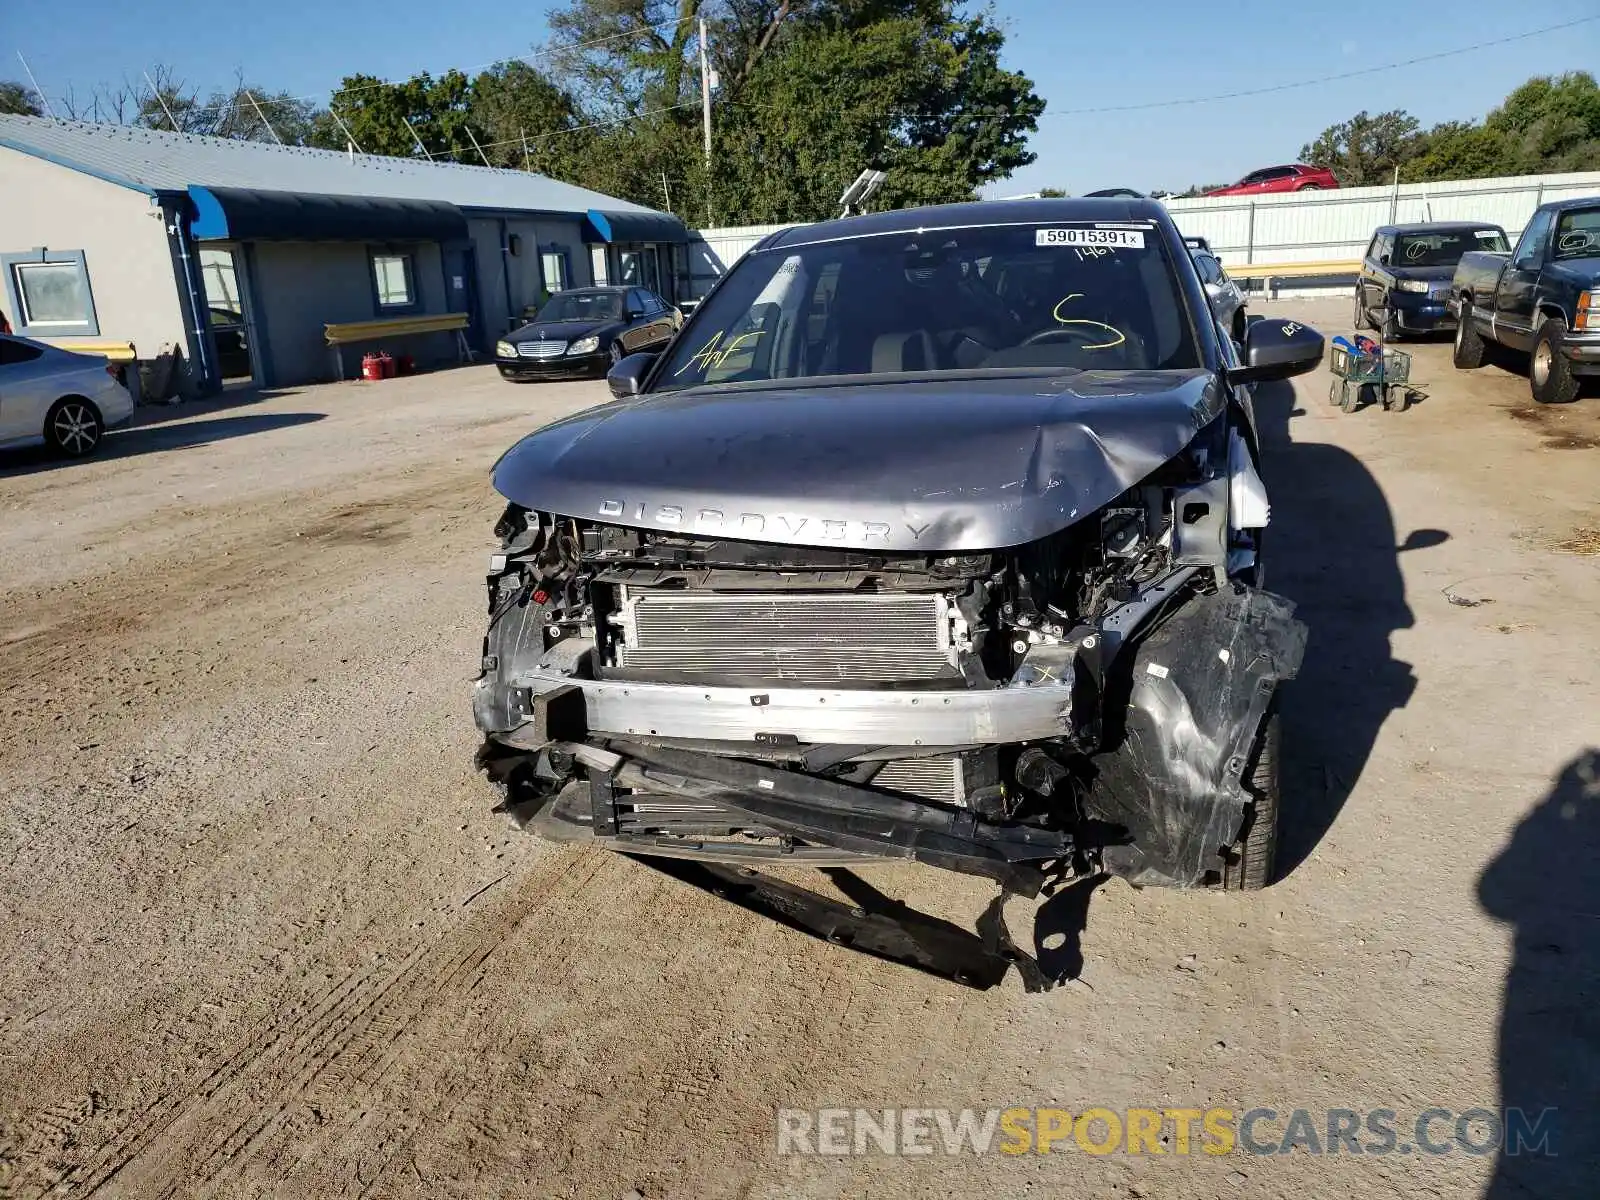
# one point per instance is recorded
(1056, 296)
(1444, 249)
(1578, 234)
(582, 306)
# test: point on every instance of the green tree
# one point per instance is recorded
(1456, 150)
(524, 120)
(16, 98)
(810, 92)
(1550, 124)
(1365, 150)
(423, 117)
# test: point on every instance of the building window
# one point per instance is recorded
(597, 265)
(553, 263)
(48, 293)
(394, 281)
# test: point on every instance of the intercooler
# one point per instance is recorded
(795, 639)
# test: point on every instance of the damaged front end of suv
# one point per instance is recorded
(997, 615)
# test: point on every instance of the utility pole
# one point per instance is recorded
(477, 147)
(526, 164)
(705, 115)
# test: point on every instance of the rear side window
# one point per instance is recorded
(12, 353)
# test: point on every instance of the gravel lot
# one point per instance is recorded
(262, 936)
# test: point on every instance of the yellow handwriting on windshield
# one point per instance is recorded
(713, 354)
(1115, 333)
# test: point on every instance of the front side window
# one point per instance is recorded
(392, 276)
(1064, 297)
(1578, 234)
(49, 292)
(1530, 246)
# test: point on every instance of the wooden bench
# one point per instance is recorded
(348, 333)
(119, 352)
(1270, 273)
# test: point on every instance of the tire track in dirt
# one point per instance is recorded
(230, 578)
(332, 1049)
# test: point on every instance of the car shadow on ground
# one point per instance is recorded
(152, 439)
(1545, 886)
(1332, 548)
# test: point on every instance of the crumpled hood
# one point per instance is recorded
(925, 465)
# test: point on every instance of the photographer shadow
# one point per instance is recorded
(1545, 886)
(1331, 548)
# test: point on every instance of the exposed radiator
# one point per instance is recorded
(931, 778)
(794, 639)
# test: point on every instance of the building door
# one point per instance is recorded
(461, 285)
(227, 322)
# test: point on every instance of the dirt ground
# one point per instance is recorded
(261, 936)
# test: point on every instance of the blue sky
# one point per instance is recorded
(1079, 55)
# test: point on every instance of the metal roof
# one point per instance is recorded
(158, 161)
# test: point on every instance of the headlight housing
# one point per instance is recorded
(586, 345)
(505, 349)
(1412, 285)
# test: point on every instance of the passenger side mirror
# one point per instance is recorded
(627, 377)
(1276, 349)
(1383, 260)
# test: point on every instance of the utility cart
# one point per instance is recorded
(1384, 376)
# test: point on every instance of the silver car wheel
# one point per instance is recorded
(77, 429)
(1541, 363)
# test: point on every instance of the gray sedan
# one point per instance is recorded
(1227, 301)
(56, 397)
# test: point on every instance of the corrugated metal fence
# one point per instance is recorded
(1294, 227)
(1332, 225)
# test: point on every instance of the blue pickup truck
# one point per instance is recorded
(1543, 299)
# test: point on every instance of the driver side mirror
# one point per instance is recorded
(627, 377)
(1276, 349)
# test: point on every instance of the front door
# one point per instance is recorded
(461, 288)
(227, 322)
(1513, 299)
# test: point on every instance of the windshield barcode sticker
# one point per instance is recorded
(1131, 239)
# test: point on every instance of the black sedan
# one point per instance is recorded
(584, 331)
(1405, 278)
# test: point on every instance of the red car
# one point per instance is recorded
(1295, 178)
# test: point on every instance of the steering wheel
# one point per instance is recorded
(1094, 335)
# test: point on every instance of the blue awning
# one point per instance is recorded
(246, 213)
(633, 227)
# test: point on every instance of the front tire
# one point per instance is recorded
(1549, 373)
(73, 427)
(1251, 859)
(1389, 331)
(1469, 349)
